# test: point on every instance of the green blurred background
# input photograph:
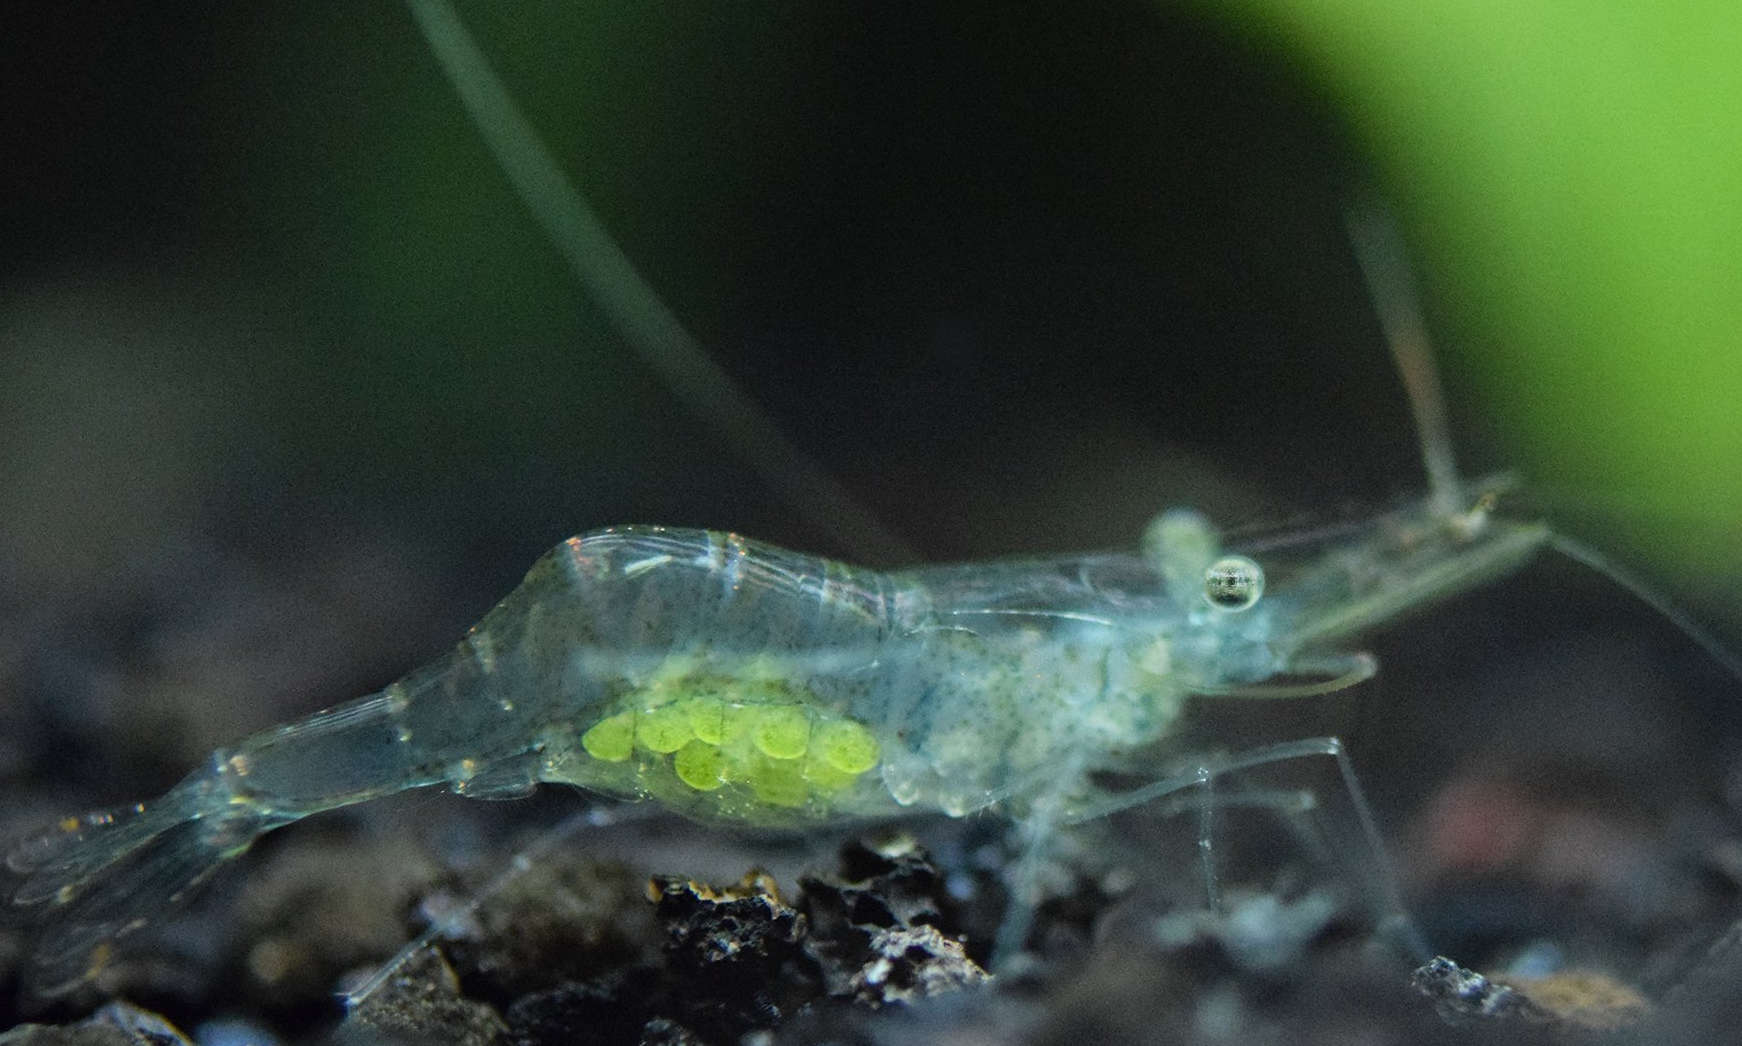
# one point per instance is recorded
(1573, 177)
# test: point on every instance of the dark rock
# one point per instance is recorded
(886, 882)
(735, 933)
(420, 1003)
(913, 962)
(875, 931)
(734, 955)
(1462, 995)
(612, 1009)
(559, 922)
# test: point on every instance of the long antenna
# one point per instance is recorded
(1384, 264)
(1580, 552)
(652, 330)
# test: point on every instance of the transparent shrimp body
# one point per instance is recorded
(735, 682)
(738, 683)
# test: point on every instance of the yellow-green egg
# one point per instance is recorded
(778, 782)
(825, 777)
(707, 718)
(699, 765)
(663, 729)
(846, 746)
(782, 731)
(737, 721)
(611, 739)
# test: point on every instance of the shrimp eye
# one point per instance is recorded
(1233, 583)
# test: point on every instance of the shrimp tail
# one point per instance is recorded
(93, 879)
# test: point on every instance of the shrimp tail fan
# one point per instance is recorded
(90, 880)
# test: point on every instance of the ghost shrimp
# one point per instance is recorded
(741, 684)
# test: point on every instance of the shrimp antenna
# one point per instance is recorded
(1384, 265)
(650, 327)
(1580, 552)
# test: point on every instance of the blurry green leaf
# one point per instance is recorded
(1572, 176)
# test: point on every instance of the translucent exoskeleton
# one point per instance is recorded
(738, 683)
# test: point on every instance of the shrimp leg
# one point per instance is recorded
(1389, 910)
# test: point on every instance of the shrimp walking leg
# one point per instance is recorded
(1023, 879)
(1207, 839)
(1393, 918)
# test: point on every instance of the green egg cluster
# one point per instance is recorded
(763, 737)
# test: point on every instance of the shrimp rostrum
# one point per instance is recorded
(740, 684)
